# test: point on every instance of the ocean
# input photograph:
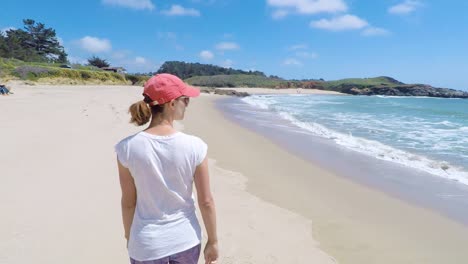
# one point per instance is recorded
(427, 134)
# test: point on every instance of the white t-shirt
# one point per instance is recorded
(162, 168)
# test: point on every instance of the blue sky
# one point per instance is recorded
(415, 41)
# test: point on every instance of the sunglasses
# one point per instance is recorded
(185, 99)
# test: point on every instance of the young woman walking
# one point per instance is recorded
(157, 168)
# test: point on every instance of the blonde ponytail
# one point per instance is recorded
(140, 112)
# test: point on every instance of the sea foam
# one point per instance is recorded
(366, 146)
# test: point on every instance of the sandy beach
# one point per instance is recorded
(61, 194)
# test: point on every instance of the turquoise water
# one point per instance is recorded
(428, 134)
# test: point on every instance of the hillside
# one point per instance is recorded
(237, 80)
(53, 73)
(382, 85)
(187, 70)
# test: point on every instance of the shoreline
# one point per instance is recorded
(260, 90)
(353, 223)
(407, 183)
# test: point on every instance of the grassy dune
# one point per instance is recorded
(53, 74)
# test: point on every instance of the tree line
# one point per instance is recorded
(35, 42)
(186, 70)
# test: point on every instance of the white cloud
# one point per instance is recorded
(298, 47)
(278, 14)
(404, 8)
(206, 55)
(94, 44)
(140, 60)
(134, 4)
(178, 10)
(179, 47)
(307, 6)
(292, 62)
(345, 22)
(306, 55)
(375, 31)
(227, 46)
(227, 63)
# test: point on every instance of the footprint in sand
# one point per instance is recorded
(116, 113)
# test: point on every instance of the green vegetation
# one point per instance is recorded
(204, 75)
(35, 73)
(98, 62)
(237, 80)
(187, 70)
(243, 80)
(137, 79)
(11, 64)
(35, 54)
(34, 43)
(359, 83)
(53, 73)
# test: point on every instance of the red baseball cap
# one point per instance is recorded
(165, 87)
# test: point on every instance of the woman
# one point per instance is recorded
(157, 169)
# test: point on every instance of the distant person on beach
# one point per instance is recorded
(4, 90)
(157, 168)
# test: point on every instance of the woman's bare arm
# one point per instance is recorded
(207, 209)
(129, 195)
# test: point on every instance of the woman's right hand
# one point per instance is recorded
(211, 252)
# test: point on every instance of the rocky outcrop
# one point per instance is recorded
(231, 93)
(403, 90)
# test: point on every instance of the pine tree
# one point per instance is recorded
(98, 62)
(33, 43)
